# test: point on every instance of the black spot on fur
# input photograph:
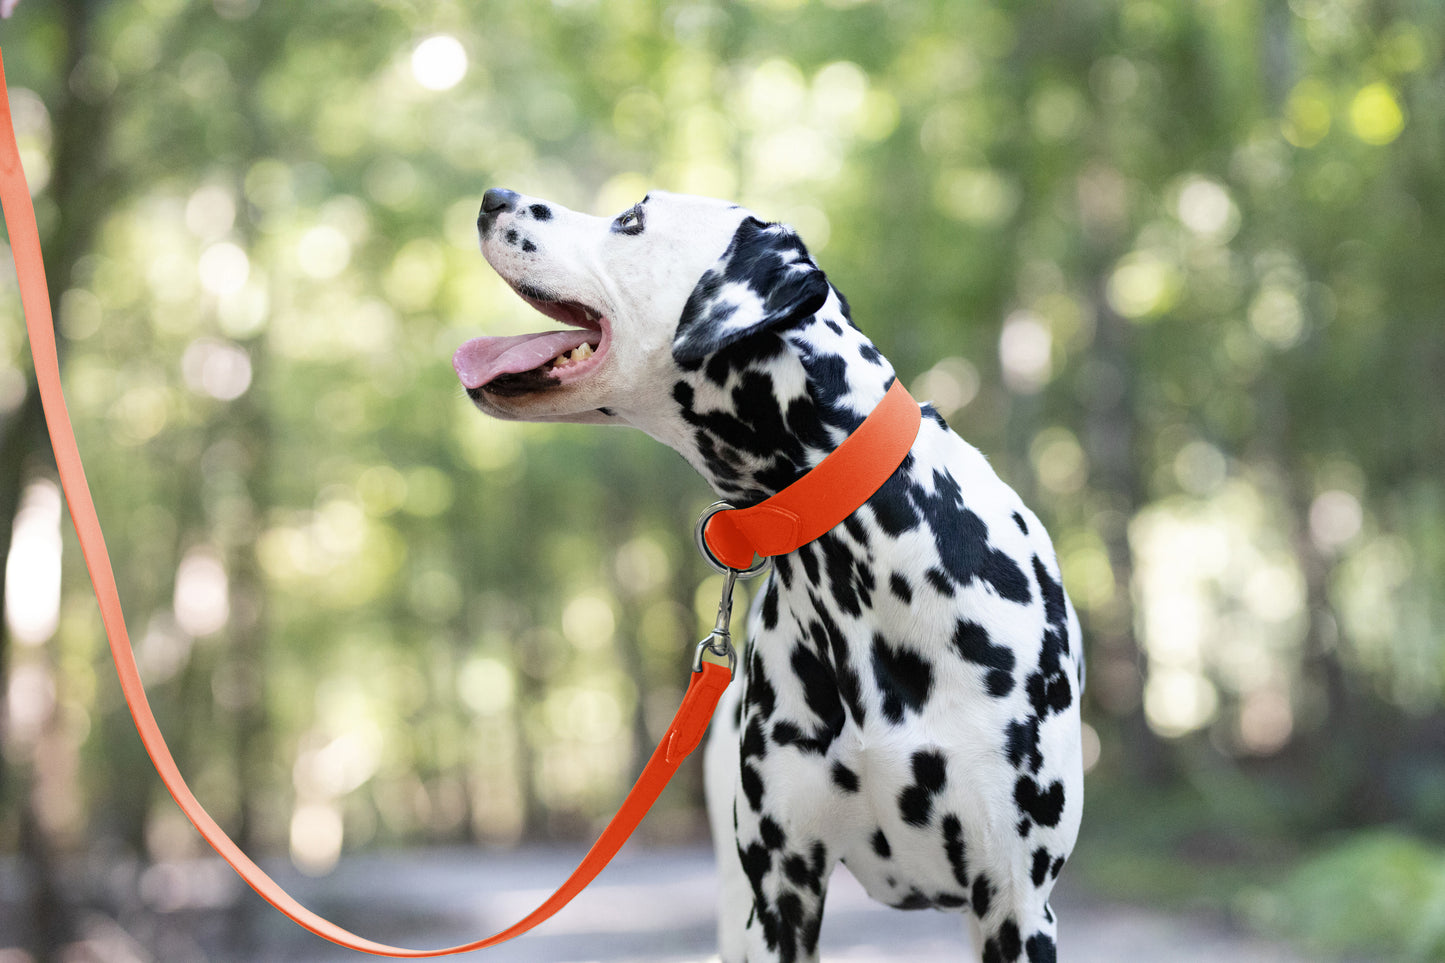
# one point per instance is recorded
(1043, 806)
(752, 784)
(904, 679)
(828, 381)
(1053, 594)
(982, 895)
(790, 923)
(1048, 687)
(756, 860)
(541, 212)
(915, 802)
(880, 845)
(1019, 521)
(832, 645)
(810, 563)
(760, 692)
(820, 692)
(940, 581)
(787, 733)
(972, 642)
(770, 605)
(838, 561)
(783, 568)
(865, 583)
(900, 588)
(1040, 871)
(962, 541)
(529, 247)
(1022, 744)
(1041, 949)
(892, 507)
(915, 900)
(954, 849)
(844, 778)
(753, 745)
(1005, 945)
(800, 873)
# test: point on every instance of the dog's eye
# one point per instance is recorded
(629, 221)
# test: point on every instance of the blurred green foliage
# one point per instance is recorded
(1172, 266)
(1380, 893)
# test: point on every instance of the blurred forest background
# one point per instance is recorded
(1169, 263)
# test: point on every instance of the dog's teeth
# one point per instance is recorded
(580, 353)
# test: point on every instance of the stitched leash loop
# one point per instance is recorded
(698, 704)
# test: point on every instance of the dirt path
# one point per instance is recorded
(657, 907)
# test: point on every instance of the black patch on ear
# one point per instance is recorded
(764, 280)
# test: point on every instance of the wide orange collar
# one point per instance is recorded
(819, 501)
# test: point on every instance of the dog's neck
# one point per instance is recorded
(761, 413)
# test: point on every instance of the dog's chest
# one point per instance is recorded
(888, 664)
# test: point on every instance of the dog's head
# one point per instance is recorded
(665, 283)
(677, 310)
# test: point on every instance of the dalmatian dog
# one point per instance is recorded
(910, 696)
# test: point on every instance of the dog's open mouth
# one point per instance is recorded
(524, 363)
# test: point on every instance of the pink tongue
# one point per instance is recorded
(481, 360)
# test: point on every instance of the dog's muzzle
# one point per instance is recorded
(495, 201)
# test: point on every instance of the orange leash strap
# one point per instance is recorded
(819, 501)
(707, 685)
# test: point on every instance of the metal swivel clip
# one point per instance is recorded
(719, 640)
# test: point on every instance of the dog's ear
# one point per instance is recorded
(764, 280)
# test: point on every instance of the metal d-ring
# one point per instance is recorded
(700, 537)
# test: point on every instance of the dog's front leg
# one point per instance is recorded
(787, 873)
(772, 879)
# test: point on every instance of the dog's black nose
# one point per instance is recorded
(495, 201)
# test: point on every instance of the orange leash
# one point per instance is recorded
(729, 537)
(707, 685)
